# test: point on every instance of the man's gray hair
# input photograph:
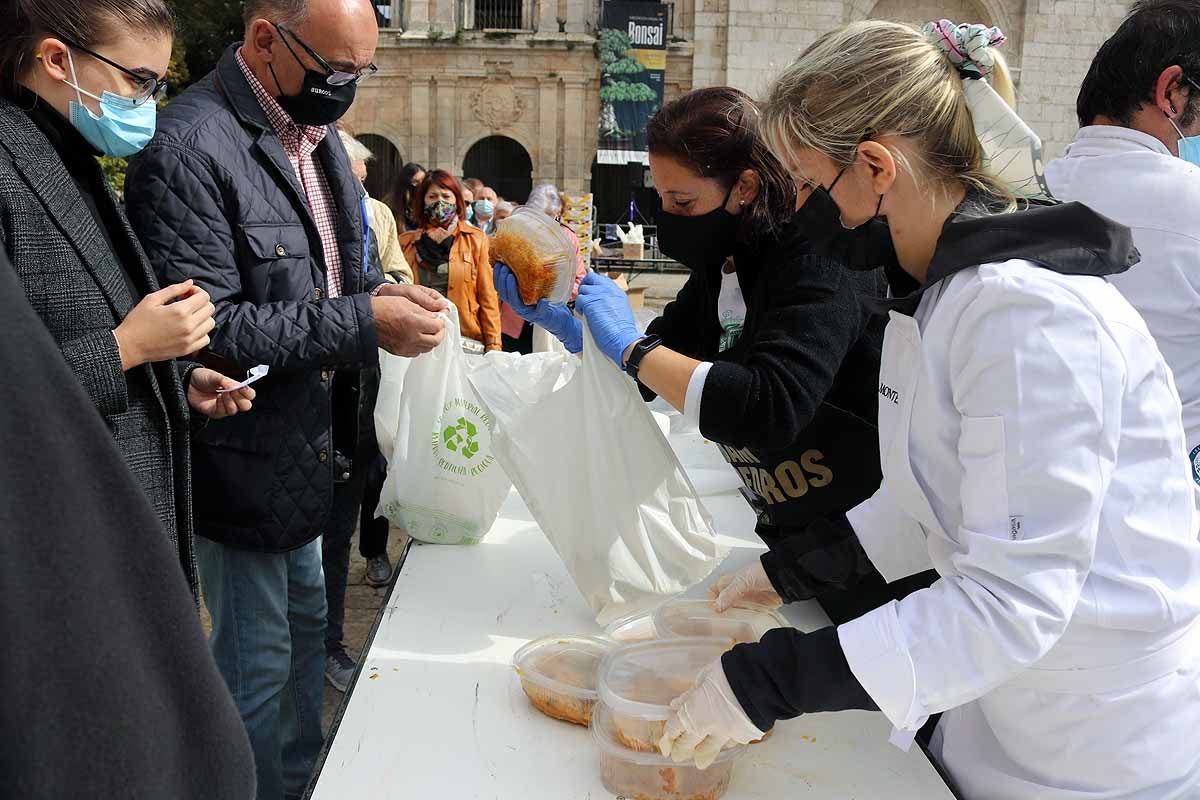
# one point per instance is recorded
(504, 205)
(354, 148)
(291, 13)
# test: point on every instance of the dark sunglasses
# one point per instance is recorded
(149, 87)
(333, 76)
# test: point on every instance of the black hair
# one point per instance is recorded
(88, 23)
(715, 133)
(1156, 35)
(399, 199)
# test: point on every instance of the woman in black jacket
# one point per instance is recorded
(79, 80)
(767, 346)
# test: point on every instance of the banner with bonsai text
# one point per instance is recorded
(633, 62)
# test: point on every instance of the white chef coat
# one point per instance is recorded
(1032, 449)
(1131, 177)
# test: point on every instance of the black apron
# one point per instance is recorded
(831, 467)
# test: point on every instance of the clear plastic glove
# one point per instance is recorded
(605, 306)
(559, 320)
(748, 585)
(707, 719)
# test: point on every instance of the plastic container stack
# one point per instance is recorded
(636, 685)
(622, 685)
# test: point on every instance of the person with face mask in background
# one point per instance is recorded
(767, 346)
(77, 82)
(1031, 447)
(468, 193)
(246, 188)
(485, 210)
(451, 256)
(1137, 160)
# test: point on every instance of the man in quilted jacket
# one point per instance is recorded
(247, 189)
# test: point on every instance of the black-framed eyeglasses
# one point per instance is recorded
(149, 86)
(334, 77)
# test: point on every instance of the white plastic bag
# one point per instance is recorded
(443, 484)
(387, 406)
(599, 477)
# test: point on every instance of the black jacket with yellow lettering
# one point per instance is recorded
(793, 403)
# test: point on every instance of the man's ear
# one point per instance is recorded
(1170, 97)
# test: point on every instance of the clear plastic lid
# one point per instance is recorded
(641, 680)
(633, 629)
(685, 617)
(566, 665)
(548, 244)
(604, 734)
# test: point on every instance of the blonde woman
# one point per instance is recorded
(1032, 452)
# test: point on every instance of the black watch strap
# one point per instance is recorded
(639, 352)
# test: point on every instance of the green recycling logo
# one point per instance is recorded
(460, 438)
(462, 443)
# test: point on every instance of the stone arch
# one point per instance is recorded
(503, 163)
(921, 11)
(385, 167)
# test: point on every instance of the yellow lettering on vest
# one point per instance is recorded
(770, 491)
(791, 479)
(821, 475)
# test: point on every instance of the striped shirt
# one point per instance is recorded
(300, 142)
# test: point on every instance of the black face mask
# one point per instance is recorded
(698, 242)
(867, 247)
(318, 103)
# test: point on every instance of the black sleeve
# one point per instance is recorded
(825, 556)
(814, 319)
(109, 687)
(681, 324)
(789, 673)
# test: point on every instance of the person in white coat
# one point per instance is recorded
(1137, 161)
(1031, 449)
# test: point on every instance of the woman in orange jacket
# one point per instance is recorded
(451, 255)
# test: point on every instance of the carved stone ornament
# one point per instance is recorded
(497, 104)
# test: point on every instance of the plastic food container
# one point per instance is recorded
(638, 682)
(558, 674)
(633, 629)
(539, 252)
(686, 617)
(648, 776)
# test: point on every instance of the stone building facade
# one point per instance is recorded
(519, 103)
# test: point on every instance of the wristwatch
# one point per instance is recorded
(639, 352)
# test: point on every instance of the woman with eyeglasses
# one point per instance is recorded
(79, 81)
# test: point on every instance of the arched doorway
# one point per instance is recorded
(503, 164)
(384, 168)
(918, 12)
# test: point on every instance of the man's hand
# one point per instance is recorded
(405, 328)
(170, 323)
(202, 394)
(426, 298)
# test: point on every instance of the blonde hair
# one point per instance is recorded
(873, 78)
(1000, 79)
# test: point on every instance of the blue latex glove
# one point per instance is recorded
(605, 306)
(557, 319)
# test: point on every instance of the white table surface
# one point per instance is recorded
(437, 710)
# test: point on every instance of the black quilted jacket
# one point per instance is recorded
(215, 198)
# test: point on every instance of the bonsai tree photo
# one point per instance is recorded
(626, 101)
